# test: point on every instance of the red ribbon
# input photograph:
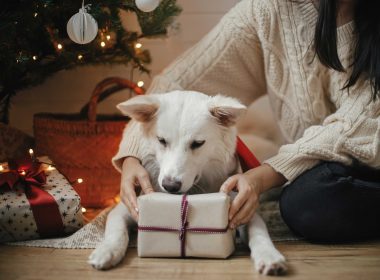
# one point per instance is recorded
(44, 207)
(246, 157)
(184, 227)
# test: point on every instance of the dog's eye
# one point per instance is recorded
(162, 141)
(197, 144)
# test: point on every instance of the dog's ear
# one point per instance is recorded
(141, 108)
(226, 109)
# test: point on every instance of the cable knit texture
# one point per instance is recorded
(266, 47)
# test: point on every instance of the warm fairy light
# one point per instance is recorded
(108, 37)
(34, 57)
(59, 46)
(117, 199)
(84, 210)
(102, 44)
(80, 57)
(35, 14)
(50, 168)
(80, 180)
(1, 168)
(140, 83)
(138, 45)
(23, 172)
(31, 152)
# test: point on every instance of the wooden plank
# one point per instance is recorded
(306, 261)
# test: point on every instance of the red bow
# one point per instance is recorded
(24, 171)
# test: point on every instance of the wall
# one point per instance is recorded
(68, 90)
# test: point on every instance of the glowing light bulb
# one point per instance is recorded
(31, 152)
(23, 172)
(108, 37)
(80, 57)
(59, 46)
(35, 15)
(102, 44)
(84, 210)
(50, 168)
(140, 83)
(80, 180)
(34, 57)
(138, 45)
(1, 168)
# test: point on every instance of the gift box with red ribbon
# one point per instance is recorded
(184, 226)
(36, 201)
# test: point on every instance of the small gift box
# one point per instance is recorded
(36, 201)
(184, 226)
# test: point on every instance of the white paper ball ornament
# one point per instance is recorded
(82, 28)
(147, 5)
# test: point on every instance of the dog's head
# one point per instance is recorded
(187, 130)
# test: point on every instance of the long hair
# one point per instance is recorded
(366, 55)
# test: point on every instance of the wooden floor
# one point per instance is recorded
(306, 261)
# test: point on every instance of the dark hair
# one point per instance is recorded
(366, 56)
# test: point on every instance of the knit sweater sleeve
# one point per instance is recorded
(352, 132)
(228, 61)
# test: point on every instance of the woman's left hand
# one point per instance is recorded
(249, 186)
(247, 200)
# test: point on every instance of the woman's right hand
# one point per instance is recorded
(133, 175)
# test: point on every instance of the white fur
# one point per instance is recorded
(181, 118)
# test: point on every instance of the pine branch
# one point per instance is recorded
(31, 30)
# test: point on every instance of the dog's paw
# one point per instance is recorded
(270, 262)
(106, 256)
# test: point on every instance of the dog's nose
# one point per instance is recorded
(171, 185)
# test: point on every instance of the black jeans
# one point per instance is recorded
(333, 203)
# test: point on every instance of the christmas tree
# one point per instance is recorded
(34, 43)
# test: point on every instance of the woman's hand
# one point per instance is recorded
(133, 176)
(247, 200)
(249, 186)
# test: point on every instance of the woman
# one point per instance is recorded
(319, 62)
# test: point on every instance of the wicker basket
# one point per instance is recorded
(82, 147)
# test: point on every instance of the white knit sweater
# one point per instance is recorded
(265, 47)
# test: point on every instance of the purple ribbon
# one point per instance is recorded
(184, 228)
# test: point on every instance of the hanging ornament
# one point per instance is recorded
(147, 5)
(82, 28)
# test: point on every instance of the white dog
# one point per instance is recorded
(189, 142)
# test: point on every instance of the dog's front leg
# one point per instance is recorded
(268, 260)
(114, 246)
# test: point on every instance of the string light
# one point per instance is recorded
(80, 57)
(80, 180)
(84, 210)
(50, 168)
(140, 83)
(102, 44)
(35, 15)
(1, 168)
(108, 37)
(34, 57)
(23, 173)
(59, 46)
(138, 45)
(31, 153)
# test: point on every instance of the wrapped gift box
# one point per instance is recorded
(184, 226)
(31, 212)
